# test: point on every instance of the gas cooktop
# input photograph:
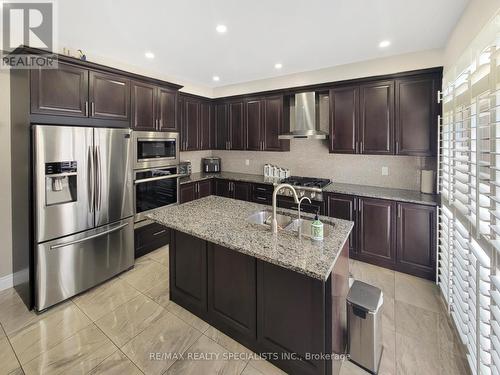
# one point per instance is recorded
(306, 182)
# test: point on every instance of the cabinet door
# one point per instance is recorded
(232, 291)
(191, 124)
(149, 238)
(188, 271)
(343, 207)
(416, 116)
(109, 96)
(62, 91)
(167, 108)
(187, 192)
(143, 106)
(273, 124)
(221, 126)
(377, 118)
(253, 120)
(416, 242)
(241, 190)
(344, 104)
(223, 188)
(236, 126)
(205, 125)
(376, 231)
(204, 188)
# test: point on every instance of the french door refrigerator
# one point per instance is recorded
(83, 192)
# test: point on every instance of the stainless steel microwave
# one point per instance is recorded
(155, 149)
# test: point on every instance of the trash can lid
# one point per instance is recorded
(365, 296)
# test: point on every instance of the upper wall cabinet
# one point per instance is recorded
(197, 123)
(153, 107)
(63, 91)
(109, 96)
(416, 115)
(236, 125)
(344, 111)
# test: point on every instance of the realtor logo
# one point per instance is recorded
(28, 24)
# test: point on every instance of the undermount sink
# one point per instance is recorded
(265, 217)
(305, 227)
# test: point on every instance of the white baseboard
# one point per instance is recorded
(6, 282)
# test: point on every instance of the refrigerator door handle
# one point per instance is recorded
(90, 179)
(64, 244)
(98, 174)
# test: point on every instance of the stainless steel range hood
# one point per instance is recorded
(304, 118)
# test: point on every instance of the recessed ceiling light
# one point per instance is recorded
(149, 55)
(216, 78)
(221, 29)
(384, 43)
(278, 66)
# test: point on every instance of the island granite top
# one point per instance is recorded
(223, 221)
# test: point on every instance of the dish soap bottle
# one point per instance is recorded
(317, 229)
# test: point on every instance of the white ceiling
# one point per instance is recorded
(303, 35)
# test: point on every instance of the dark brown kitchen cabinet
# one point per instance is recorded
(342, 206)
(233, 189)
(416, 115)
(153, 107)
(221, 126)
(190, 125)
(236, 126)
(253, 120)
(416, 244)
(274, 125)
(232, 291)
(109, 96)
(223, 188)
(376, 231)
(195, 190)
(63, 91)
(206, 126)
(344, 112)
(241, 190)
(188, 271)
(150, 237)
(376, 118)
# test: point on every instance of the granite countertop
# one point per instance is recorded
(223, 221)
(401, 195)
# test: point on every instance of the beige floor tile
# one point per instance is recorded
(418, 292)
(116, 364)
(388, 362)
(250, 370)
(45, 333)
(265, 367)
(105, 298)
(416, 322)
(188, 317)
(206, 357)
(228, 343)
(160, 255)
(376, 276)
(349, 368)
(414, 357)
(13, 312)
(388, 311)
(2, 332)
(160, 294)
(129, 319)
(452, 364)
(448, 339)
(8, 360)
(146, 274)
(77, 355)
(167, 335)
(18, 371)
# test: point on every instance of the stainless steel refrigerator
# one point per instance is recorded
(83, 192)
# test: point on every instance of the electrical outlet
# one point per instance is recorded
(385, 171)
(247, 162)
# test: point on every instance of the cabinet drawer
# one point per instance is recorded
(150, 237)
(262, 193)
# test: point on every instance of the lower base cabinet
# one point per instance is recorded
(150, 237)
(233, 189)
(281, 314)
(195, 190)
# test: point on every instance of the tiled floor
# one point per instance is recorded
(113, 328)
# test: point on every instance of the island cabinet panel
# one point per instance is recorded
(109, 96)
(188, 271)
(62, 91)
(377, 118)
(290, 310)
(342, 206)
(416, 245)
(344, 107)
(376, 231)
(232, 291)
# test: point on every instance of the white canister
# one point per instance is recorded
(267, 170)
(276, 171)
(427, 181)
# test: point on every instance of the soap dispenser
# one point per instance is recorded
(317, 228)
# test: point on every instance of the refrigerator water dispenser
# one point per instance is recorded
(60, 182)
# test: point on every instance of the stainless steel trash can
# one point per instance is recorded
(364, 325)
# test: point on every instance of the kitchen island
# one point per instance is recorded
(279, 295)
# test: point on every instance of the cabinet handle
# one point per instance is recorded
(86, 108)
(361, 149)
(399, 210)
(160, 232)
(397, 146)
(92, 106)
(355, 205)
(261, 198)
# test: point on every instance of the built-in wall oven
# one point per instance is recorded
(155, 149)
